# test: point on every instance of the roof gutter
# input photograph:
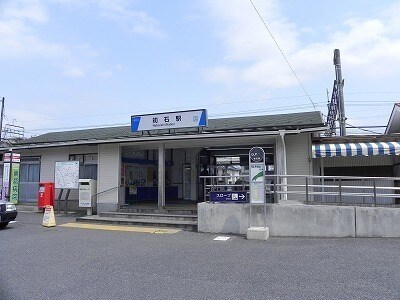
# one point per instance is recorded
(168, 138)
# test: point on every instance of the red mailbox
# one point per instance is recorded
(46, 194)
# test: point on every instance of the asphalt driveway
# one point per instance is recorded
(76, 263)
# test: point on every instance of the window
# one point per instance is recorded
(29, 172)
(87, 165)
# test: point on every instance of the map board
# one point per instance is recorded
(66, 175)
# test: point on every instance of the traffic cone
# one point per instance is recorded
(48, 217)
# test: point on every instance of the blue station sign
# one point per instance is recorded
(169, 120)
(239, 196)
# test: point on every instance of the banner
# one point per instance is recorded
(14, 188)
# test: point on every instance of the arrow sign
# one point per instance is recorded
(237, 196)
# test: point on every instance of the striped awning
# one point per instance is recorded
(355, 149)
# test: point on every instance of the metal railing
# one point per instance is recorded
(339, 190)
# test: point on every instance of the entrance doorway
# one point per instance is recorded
(29, 180)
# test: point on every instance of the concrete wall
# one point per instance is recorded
(282, 219)
(377, 222)
(301, 220)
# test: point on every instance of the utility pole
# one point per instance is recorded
(340, 84)
(1, 120)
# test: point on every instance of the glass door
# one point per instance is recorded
(29, 181)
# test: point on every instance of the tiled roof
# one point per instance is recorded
(251, 123)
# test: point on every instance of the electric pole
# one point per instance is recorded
(1, 121)
(340, 84)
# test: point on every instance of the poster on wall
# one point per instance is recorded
(139, 176)
(66, 174)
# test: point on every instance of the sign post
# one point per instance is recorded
(257, 191)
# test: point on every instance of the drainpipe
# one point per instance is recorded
(284, 170)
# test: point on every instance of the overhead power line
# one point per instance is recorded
(363, 129)
(283, 54)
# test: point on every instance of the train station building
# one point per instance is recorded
(159, 165)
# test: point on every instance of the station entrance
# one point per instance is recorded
(140, 171)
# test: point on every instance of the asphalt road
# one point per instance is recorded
(73, 263)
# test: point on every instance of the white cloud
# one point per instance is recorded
(21, 38)
(122, 13)
(370, 47)
(135, 21)
(32, 10)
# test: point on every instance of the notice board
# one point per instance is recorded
(66, 174)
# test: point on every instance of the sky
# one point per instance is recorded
(78, 64)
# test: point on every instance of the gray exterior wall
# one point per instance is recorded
(298, 153)
(108, 177)
(356, 161)
(47, 162)
(48, 157)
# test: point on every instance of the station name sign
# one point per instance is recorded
(169, 120)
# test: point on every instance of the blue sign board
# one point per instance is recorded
(169, 120)
(223, 196)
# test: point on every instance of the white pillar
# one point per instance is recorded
(284, 168)
(194, 178)
(194, 174)
(161, 175)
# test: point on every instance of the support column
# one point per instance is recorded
(283, 166)
(161, 175)
(281, 158)
(194, 178)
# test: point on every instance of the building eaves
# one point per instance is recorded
(225, 125)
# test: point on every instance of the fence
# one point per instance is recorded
(339, 190)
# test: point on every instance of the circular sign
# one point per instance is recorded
(256, 155)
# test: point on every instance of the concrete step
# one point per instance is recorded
(186, 225)
(159, 216)
(28, 207)
(170, 211)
